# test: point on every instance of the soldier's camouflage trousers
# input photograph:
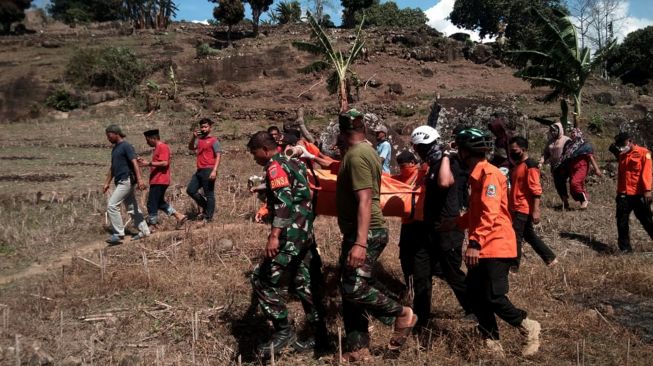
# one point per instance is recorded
(296, 269)
(361, 294)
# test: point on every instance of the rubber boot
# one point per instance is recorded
(531, 330)
(319, 343)
(283, 337)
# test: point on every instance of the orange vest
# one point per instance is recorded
(488, 217)
(525, 186)
(635, 174)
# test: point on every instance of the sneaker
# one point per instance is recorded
(552, 263)
(138, 236)
(114, 239)
(495, 348)
(583, 206)
(531, 330)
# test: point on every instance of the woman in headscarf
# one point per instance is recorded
(552, 154)
(578, 157)
(501, 142)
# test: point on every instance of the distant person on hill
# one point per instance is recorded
(365, 236)
(634, 186)
(441, 247)
(578, 158)
(291, 257)
(208, 153)
(492, 247)
(159, 179)
(383, 147)
(552, 154)
(126, 175)
(525, 198)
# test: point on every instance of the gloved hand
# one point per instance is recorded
(305, 154)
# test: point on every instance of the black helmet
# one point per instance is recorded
(475, 140)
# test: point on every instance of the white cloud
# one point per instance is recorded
(205, 21)
(438, 15)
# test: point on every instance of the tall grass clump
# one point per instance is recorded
(111, 68)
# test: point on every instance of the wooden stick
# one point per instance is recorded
(339, 345)
(89, 261)
(311, 88)
(272, 353)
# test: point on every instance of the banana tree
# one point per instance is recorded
(559, 62)
(342, 76)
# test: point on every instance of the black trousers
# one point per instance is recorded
(156, 201)
(422, 256)
(626, 205)
(207, 201)
(524, 230)
(487, 286)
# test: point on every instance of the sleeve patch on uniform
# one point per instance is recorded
(491, 191)
(277, 176)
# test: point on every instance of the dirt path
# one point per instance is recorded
(82, 250)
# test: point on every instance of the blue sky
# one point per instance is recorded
(639, 12)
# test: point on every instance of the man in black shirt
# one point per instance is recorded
(445, 196)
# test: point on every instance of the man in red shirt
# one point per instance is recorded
(207, 149)
(525, 200)
(492, 247)
(159, 179)
(634, 185)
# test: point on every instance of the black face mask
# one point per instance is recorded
(516, 156)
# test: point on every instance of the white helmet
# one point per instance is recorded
(424, 135)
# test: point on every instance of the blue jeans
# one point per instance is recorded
(206, 201)
(156, 201)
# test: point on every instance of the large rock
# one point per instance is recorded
(93, 98)
(606, 98)
(481, 54)
(395, 88)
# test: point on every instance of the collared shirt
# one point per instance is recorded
(385, 152)
(525, 183)
(635, 173)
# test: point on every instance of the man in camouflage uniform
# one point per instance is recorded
(365, 235)
(290, 254)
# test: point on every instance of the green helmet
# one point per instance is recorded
(475, 140)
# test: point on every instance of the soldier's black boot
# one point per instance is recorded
(283, 337)
(319, 343)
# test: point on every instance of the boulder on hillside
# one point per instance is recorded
(93, 98)
(395, 88)
(607, 98)
(460, 37)
(481, 54)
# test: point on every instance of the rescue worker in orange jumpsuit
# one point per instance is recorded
(634, 185)
(492, 247)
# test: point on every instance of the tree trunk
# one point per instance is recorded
(344, 102)
(577, 109)
(302, 126)
(256, 14)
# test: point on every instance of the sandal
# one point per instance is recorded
(360, 355)
(400, 335)
(181, 222)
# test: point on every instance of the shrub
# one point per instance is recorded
(203, 50)
(113, 68)
(405, 110)
(62, 100)
(632, 61)
(389, 15)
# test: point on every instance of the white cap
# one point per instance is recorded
(424, 135)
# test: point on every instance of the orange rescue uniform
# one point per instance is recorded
(635, 173)
(488, 218)
(525, 186)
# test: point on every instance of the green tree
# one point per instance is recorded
(258, 7)
(76, 11)
(389, 15)
(149, 13)
(12, 11)
(559, 62)
(492, 17)
(351, 7)
(229, 12)
(632, 61)
(333, 59)
(288, 12)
